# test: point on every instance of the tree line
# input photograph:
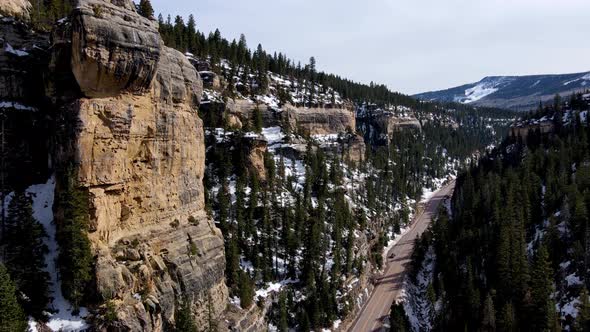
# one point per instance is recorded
(494, 271)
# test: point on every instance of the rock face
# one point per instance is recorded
(16, 8)
(523, 129)
(389, 124)
(256, 149)
(320, 121)
(137, 146)
(113, 48)
(23, 60)
(379, 127)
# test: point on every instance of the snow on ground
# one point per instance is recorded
(478, 92)
(61, 318)
(16, 106)
(273, 135)
(9, 49)
(573, 280)
(419, 309)
(391, 243)
(273, 287)
(570, 308)
(427, 193)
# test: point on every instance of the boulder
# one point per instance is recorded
(114, 49)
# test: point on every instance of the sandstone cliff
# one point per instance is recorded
(137, 146)
(16, 8)
(320, 121)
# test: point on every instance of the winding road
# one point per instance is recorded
(389, 284)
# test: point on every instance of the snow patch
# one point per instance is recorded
(62, 318)
(8, 48)
(16, 106)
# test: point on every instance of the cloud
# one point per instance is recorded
(410, 45)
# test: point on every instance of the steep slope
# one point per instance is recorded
(519, 93)
(512, 251)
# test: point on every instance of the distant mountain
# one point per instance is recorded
(513, 92)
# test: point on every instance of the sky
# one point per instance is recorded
(411, 46)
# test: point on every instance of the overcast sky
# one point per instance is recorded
(410, 45)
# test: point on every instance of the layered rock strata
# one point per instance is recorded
(136, 144)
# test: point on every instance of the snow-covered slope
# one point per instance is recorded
(61, 317)
(513, 92)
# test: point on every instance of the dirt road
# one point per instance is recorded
(390, 282)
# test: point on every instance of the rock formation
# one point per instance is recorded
(379, 126)
(137, 145)
(15, 8)
(23, 60)
(320, 121)
(113, 48)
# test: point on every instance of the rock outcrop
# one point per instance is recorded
(320, 121)
(114, 49)
(522, 129)
(23, 60)
(137, 146)
(378, 126)
(15, 8)
(256, 149)
(389, 123)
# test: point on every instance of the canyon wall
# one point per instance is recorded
(136, 144)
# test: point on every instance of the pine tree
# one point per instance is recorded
(283, 313)
(145, 9)
(246, 290)
(12, 317)
(582, 322)
(258, 121)
(507, 319)
(24, 254)
(191, 30)
(541, 289)
(183, 316)
(75, 255)
(488, 322)
(398, 320)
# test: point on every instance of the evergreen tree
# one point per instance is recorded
(398, 320)
(75, 256)
(183, 316)
(283, 313)
(582, 322)
(507, 320)
(246, 290)
(488, 322)
(145, 8)
(24, 254)
(12, 318)
(541, 289)
(258, 121)
(191, 31)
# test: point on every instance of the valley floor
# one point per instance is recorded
(389, 284)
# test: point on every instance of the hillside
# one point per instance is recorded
(520, 93)
(511, 251)
(185, 180)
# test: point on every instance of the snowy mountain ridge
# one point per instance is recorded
(519, 93)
